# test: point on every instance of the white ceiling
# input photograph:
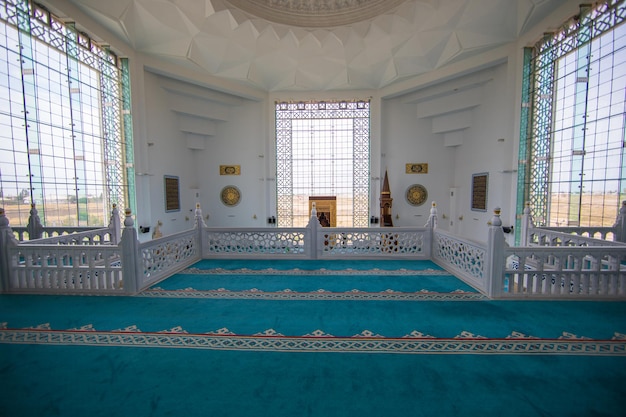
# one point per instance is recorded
(411, 38)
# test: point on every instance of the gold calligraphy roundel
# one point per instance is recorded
(231, 195)
(416, 195)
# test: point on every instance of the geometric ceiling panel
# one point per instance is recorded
(283, 45)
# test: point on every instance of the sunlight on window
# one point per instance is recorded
(576, 157)
(53, 142)
(323, 150)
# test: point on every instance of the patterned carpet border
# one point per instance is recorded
(321, 271)
(354, 295)
(366, 342)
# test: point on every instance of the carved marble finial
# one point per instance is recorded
(128, 221)
(495, 220)
(4, 220)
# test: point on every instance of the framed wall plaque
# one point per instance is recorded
(230, 169)
(479, 191)
(172, 193)
(420, 168)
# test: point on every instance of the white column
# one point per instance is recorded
(34, 227)
(527, 222)
(313, 227)
(432, 219)
(132, 272)
(494, 268)
(115, 225)
(6, 239)
(200, 225)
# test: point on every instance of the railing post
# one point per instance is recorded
(6, 238)
(313, 227)
(132, 271)
(34, 226)
(495, 256)
(200, 225)
(115, 225)
(432, 219)
(431, 224)
(620, 224)
(527, 223)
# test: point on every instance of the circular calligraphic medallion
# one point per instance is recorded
(231, 195)
(416, 195)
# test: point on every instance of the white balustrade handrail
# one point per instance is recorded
(36, 231)
(592, 267)
(551, 237)
(167, 255)
(464, 257)
(334, 242)
(256, 242)
(81, 236)
(618, 230)
(325, 242)
(43, 268)
(584, 231)
(563, 272)
(51, 231)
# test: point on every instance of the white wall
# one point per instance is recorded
(488, 146)
(239, 141)
(166, 154)
(405, 129)
(460, 127)
(226, 130)
(408, 139)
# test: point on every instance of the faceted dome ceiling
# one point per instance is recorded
(304, 45)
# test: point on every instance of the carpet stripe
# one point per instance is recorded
(322, 295)
(314, 272)
(311, 344)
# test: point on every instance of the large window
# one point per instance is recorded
(65, 142)
(323, 150)
(572, 167)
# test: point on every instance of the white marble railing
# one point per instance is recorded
(582, 268)
(22, 234)
(165, 256)
(77, 236)
(373, 242)
(314, 241)
(552, 237)
(50, 266)
(68, 235)
(255, 242)
(464, 257)
(564, 272)
(583, 271)
(44, 268)
(532, 235)
(598, 233)
(558, 262)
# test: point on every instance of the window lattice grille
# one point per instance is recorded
(572, 162)
(63, 145)
(322, 149)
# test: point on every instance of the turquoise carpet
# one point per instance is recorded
(342, 338)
